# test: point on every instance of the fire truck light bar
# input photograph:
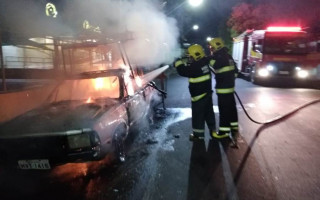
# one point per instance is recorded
(283, 28)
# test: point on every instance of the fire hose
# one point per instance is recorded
(276, 118)
(153, 84)
(280, 117)
(163, 93)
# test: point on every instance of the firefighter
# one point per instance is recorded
(225, 73)
(200, 88)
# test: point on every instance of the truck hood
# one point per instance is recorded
(56, 117)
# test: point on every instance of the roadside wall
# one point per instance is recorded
(16, 103)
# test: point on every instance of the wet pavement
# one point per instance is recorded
(272, 162)
(161, 164)
(100, 179)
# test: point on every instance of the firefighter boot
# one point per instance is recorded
(193, 137)
(235, 135)
(234, 138)
(221, 136)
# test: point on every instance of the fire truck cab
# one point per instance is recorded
(274, 53)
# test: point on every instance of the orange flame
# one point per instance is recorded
(139, 81)
(89, 100)
(128, 80)
(99, 83)
(70, 171)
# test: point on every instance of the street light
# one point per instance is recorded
(195, 3)
(195, 27)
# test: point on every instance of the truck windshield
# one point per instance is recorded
(91, 57)
(280, 44)
(88, 89)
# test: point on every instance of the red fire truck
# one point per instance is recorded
(276, 53)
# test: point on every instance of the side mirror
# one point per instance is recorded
(254, 46)
(152, 84)
(257, 47)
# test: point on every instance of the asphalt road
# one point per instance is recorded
(275, 161)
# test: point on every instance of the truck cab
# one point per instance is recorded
(274, 54)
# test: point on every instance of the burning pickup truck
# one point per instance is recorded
(87, 115)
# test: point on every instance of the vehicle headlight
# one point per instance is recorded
(270, 67)
(79, 139)
(303, 73)
(263, 72)
(298, 68)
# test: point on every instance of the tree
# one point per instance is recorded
(247, 16)
(276, 12)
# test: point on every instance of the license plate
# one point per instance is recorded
(283, 72)
(34, 164)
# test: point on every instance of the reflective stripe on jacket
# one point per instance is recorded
(199, 76)
(197, 98)
(178, 63)
(224, 90)
(200, 79)
(225, 71)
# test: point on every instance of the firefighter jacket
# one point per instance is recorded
(225, 71)
(199, 76)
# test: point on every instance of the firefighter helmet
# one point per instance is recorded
(51, 10)
(196, 52)
(216, 43)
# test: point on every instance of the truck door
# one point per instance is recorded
(136, 103)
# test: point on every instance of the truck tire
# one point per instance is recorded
(253, 78)
(119, 144)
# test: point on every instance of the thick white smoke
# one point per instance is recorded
(154, 36)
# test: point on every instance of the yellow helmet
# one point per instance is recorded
(196, 52)
(216, 43)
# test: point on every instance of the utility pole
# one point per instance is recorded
(4, 85)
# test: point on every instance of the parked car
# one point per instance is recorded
(88, 116)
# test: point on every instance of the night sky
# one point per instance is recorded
(21, 17)
(213, 14)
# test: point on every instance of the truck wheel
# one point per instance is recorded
(119, 150)
(119, 146)
(253, 78)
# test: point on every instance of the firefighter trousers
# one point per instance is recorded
(202, 113)
(228, 120)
